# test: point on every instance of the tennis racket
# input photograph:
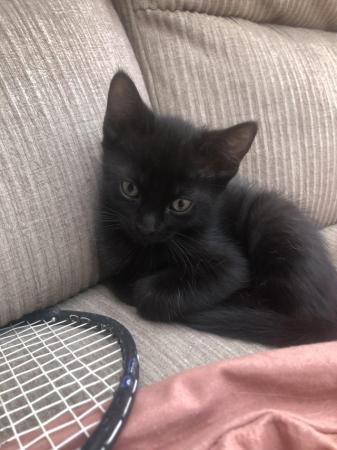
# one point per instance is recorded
(67, 381)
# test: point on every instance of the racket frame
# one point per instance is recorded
(106, 433)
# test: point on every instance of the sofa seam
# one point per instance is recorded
(139, 53)
(232, 17)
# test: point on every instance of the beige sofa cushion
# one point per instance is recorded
(218, 70)
(57, 58)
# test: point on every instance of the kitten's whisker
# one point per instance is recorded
(128, 256)
(173, 254)
(113, 212)
(185, 255)
(177, 252)
(180, 302)
(109, 219)
(194, 252)
(188, 238)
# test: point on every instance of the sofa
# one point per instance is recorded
(213, 62)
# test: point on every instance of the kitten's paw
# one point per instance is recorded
(150, 310)
(152, 302)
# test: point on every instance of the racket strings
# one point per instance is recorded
(56, 368)
(49, 371)
(54, 387)
(5, 346)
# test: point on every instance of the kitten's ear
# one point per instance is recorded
(125, 108)
(221, 151)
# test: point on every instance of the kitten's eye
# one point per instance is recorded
(181, 205)
(129, 189)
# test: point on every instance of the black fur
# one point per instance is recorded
(240, 262)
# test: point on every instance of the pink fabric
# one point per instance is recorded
(280, 400)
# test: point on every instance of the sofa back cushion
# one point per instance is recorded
(222, 62)
(57, 58)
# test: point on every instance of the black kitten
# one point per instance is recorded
(188, 242)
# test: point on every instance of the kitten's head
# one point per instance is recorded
(161, 174)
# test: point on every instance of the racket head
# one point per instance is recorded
(115, 415)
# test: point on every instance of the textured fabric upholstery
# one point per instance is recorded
(57, 58)
(164, 349)
(218, 70)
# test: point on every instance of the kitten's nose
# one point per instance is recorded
(147, 225)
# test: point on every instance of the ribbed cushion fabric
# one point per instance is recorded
(56, 60)
(205, 61)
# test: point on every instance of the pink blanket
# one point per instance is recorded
(283, 399)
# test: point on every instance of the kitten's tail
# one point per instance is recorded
(262, 326)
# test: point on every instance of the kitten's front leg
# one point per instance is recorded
(159, 296)
(170, 294)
